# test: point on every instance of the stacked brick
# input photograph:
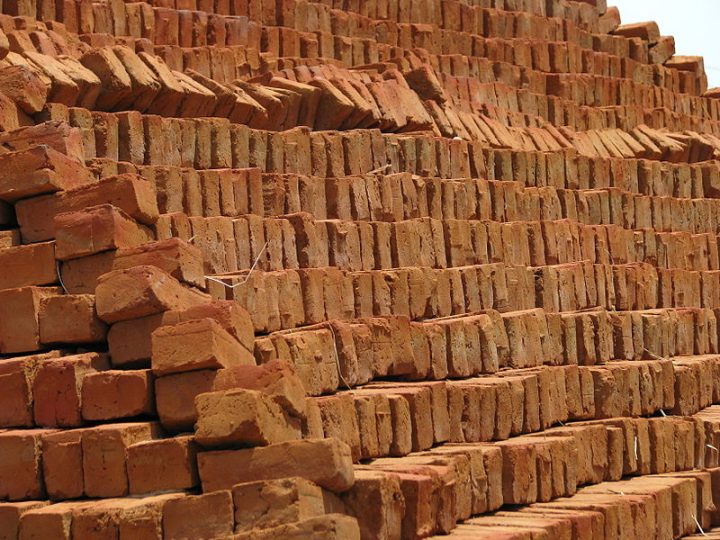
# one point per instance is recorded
(355, 270)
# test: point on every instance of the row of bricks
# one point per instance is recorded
(310, 511)
(451, 483)
(468, 345)
(431, 491)
(698, 322)
(201, 59)
(546, 337)
(682, 502)
(596, 91)
(418, 293)
(311, 296)
(520, 107)
(298, 241)
(682, 85)
(380, 420)
(629, 197)
(388, 504)
(301, 231)
(424, 156)
(650, 507)
(366, 59)
(116, 78)
(645, 142)
(383, 10)
(396, 197)
(487, 409)
(311, 16)
(271, 35)
(177, 516)
(218, 144)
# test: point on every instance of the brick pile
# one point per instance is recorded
(283, 269)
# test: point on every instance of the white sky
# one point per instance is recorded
(694, 23)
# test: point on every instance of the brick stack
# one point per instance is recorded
(342, 270)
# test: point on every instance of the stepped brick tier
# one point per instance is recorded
(344, 269)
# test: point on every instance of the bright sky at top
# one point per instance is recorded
(694, 23)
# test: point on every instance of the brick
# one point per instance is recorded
(326, 462)
(57, 388)
(377, 501)
(272, 503)
(116, 84)
(96, 229)
(121, 518)
(104, 456)
(28, 265)
(242, 418)
(207, 515)
(162, 465)
(70, 319)
(340, 421)
(53, 521)
(130, 342)
(21, 304)
(194, 345)
(129, 192)
(141, 291)
(276, 379)
(11, 514)
(171, 92)
(232, 317)
(647, 31)
(145, 85)
(80, 276)
(37, 171)
(62, 464)
(114, 394)
(178, 258)
(16, 389)
(24, 87)
(20, 467)
(175, 397)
